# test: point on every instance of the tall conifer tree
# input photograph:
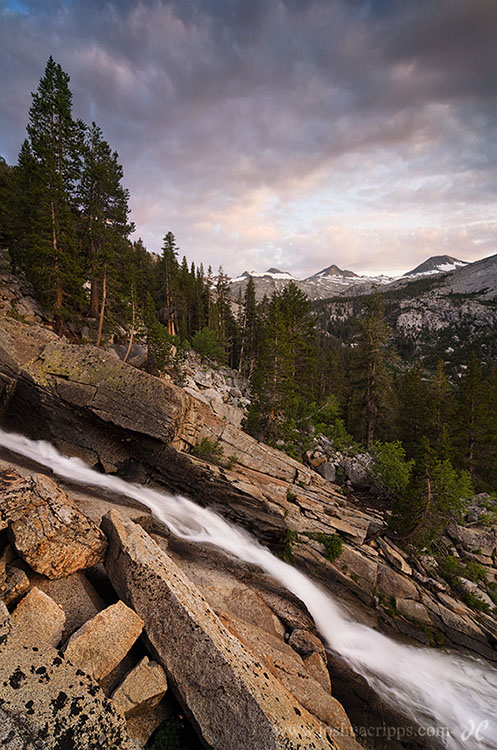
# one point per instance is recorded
(51, 155)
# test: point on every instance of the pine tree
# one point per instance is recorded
(51, 159)
(158, 343)
(486, 456)
(103, 205)
(469, 416)
(436, 495)
(169, 269)
(249, 331)
(7, 198)
(415, 408)
(370, 376)
(283, 381)
(442, 413)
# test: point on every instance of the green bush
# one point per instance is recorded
(208, 450)
(474, 571)
(332, 544)
(474, 601)
(436, 495)
(327, 421)
(391, 469)
(291, 538)
(206, 343)
(450, 569)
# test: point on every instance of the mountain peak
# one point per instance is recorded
(333, 270)
(437, 264)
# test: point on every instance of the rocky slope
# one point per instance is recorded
(121, 420)
(95, 685)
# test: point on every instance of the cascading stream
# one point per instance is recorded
(436, 689)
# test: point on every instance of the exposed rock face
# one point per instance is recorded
(141, 689)
(46, 528)
(232, 699)
(100, 644)
(48, 703)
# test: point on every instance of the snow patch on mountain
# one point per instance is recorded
(271, 273)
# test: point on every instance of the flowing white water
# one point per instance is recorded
(443, 692)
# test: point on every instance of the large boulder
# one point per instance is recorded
(481, 539)
(46, 528)
(38, 619)
(234, 701)
(51, 704)
(358, 470)
(75, 595)
(102, 642)
(142, 688)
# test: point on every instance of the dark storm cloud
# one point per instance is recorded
(277, 129)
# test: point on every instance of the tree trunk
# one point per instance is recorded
(132, 332)
(94, 295)
(102, 308)
(59, 298)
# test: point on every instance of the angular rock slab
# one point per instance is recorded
(233, 700)
(100, 644)
(37, 619)
(75, 595)
(48, 703)
(142, 688)
(47, 529)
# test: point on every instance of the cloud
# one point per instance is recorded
(280, 132)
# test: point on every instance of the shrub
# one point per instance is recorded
(474, 601)
(291, 538)
(326, 421)
(391, 469)
(232, 460)
(332, 544)
(451, 569)
(474, 571)
(206, 343)
(436, 494)
(209, 450)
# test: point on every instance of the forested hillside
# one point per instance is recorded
(64, 220)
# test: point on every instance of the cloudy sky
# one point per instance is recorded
(290, 133)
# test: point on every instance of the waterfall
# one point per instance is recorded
(445, 693)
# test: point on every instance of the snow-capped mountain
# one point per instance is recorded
(271, 273)
(435, 315)
(328, 282)
(333, 281)
(437, 264)
(334, 271)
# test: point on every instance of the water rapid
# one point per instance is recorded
(446, 694)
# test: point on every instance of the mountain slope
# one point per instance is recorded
(436, 315)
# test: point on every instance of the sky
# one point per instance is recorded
(287, 133)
